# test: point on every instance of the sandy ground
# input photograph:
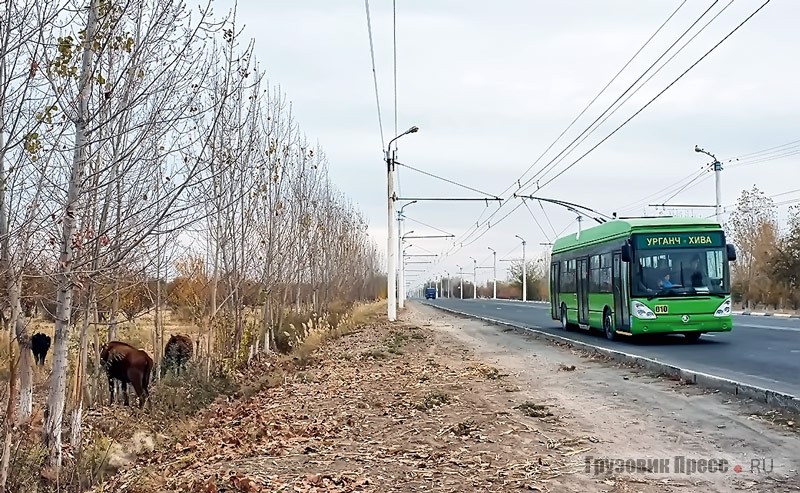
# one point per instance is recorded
(635, 416)
(439, 403)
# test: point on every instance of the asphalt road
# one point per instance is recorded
(761, 351)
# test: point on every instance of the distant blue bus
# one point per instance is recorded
(430, 293)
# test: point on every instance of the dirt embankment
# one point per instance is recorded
(444, 404)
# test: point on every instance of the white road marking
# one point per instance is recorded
(769, 327)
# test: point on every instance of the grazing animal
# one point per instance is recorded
(127, 364)
(40, 344)
(177, 352)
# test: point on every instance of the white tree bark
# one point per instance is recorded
(57, 394)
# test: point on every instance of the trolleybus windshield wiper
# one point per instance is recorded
(664, 293)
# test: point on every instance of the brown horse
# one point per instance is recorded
(127, 364)
(177, 352)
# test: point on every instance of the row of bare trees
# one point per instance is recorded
(127, 131)
(767, 270)
(536, 273)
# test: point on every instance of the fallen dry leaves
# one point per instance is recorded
(389, 408)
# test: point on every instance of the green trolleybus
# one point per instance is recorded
(644, 276)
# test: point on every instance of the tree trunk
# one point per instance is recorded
(157, 325)
(113, 318)
(25, 367)
(54, 413)
(9, 421)
(79, 387)
(269, 323)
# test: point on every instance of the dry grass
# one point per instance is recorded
(138, 333)
(109, 440)
(533, 410)
(317, 334)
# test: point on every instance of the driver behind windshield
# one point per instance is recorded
(695, 273)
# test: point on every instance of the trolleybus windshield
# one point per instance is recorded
(681, 264)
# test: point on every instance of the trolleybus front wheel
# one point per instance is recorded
(692, 336)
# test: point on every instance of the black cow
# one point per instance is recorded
(40, 344)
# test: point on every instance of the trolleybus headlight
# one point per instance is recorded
(640, 310)
(724, 309)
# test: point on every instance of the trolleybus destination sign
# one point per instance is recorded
(680, 240)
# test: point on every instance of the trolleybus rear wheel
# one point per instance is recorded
(608, 325)
(564, 321)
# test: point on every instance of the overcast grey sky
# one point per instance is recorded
(492, 84)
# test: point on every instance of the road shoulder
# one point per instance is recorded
(439, 403)
(633, 415)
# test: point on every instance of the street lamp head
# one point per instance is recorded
(697, 148)
(413, 130)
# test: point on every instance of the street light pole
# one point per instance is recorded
(494, 254)
(391, 254)
(524, 271)
(718, 182)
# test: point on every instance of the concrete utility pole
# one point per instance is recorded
(402, 272)
(718, 179)
(461, 282)
(391, 254)
(401, 268)
(494, 268)
(524, 271)
(474, 278)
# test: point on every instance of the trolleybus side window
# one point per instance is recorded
(605, 273)
(594, 274)
(600, 273)
(568, 284)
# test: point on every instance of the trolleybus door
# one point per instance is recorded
(583, 291)
(620, 289)
(555, 281)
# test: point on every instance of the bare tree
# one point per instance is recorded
(23, 165)
(125, 126)
(130, 90)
